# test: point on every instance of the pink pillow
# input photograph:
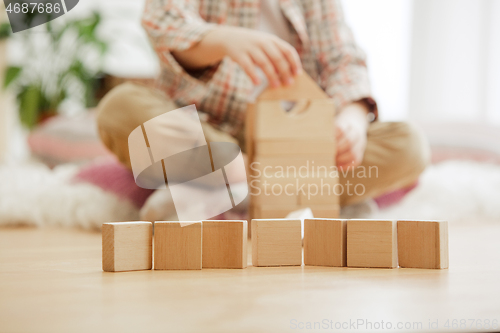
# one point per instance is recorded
(62, 139)
(111, 176)
(392, 198)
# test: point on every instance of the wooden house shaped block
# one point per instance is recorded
(290, 138)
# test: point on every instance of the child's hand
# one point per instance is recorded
(352, 126)
(249, 48)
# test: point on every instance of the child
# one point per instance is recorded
(209, 51)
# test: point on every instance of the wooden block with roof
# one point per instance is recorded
(302, 136)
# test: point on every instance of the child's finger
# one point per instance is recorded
(346, 166)
(280, 63)
(343, 145)
(261, 60)
(339, 133)
(346, 158)
(292, 56)
(248, 66)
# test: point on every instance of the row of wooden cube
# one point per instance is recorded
(351, 243)
(128, 246)
(275, 242)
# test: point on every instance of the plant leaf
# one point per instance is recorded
(11, 74)
(29, 105)
(5, 30)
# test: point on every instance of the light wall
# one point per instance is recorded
(455, 77)
(383, 29)
(455, 61)
(435, 62)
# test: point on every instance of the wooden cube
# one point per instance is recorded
(177, 245)
(281, 211)
(320, 164)
(311, 120)
(127, 246)
(423, 244)
(269, 192)
(273, 211)
(294, 147)
(325, 242)
(276, 242)
(325, 211)
(225, 244)
(318, 199)
(372, 243)
(278, 200)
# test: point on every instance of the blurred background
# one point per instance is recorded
(435, 63)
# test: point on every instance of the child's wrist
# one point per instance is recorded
(357, 113)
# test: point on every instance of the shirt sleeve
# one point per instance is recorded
(220, 90)
(175, 25)
(343, 72)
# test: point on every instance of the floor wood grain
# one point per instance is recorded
(51, 281)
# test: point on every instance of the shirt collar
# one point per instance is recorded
(293, 13)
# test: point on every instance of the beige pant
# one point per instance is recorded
(395, 156)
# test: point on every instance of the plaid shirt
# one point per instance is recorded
(323, 41)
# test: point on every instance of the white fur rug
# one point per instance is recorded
(457, 191)
(35, 195)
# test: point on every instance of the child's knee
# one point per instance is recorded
(415, 150)
(113, 108)
(115, 120)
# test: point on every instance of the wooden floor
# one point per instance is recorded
(51, 281)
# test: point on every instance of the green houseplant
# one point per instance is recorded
(5, 30)
(63, 62)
